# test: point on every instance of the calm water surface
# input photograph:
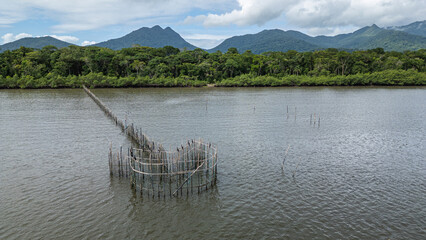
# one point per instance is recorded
(361, 174)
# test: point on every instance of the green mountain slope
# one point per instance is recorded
(38, 43)
(365, 38)
(374, 37)
(416, 28)
(265, 41)
(148, 37)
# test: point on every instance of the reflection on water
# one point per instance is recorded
(360, 174)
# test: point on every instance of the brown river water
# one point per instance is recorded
(360, 174)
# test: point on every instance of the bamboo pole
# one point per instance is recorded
(192, 165)
(294, 172)
(319, 120)
(164, 170)
(315, 119)
(185, 159)
(199, 177)
(285, 156)
(295, 112)
(287, 111)
(188, 179)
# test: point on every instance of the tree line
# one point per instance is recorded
(168, 66)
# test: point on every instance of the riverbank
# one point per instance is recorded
(98, 80)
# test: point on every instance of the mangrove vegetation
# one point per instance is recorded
(73, 66)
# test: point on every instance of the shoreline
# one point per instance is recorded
(98, 80)
(213, 86)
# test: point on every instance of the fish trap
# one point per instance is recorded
(189, 169)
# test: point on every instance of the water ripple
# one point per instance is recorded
(360, 175)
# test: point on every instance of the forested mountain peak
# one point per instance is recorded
(148, 37)
(266, 41)
(368, 30)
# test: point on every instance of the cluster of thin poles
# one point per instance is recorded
(191, 168)
(155, 172)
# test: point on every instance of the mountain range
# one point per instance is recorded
(409, 37)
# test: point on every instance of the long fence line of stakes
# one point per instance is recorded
(155, 172)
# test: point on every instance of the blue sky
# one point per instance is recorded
(205, 23)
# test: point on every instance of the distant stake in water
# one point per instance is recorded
(315, 119)
(295, 112)
(319, 120)
(287, 111)
(285, 156)
(294, 171)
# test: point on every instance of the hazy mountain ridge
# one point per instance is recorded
(416, 28)
(34, 42)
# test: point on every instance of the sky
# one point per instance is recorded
(204, 23)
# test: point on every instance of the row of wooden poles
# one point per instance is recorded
(313, 118)
(164, 174)
(155, 172)
(130, 130)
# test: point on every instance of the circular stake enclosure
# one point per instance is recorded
(190, 169)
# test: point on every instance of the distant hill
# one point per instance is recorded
(373, 37)
(267, 40)
(148, 37)
(34, 42)
(364, 38)
(416, 28)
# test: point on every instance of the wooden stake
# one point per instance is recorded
(319, 120)
(285, 156)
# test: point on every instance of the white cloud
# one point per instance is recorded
(319, 16)
(10, 37)
(315, 16)
(333, 13)
(205, 36)
(251, 12)
(11, 12)
(69, 39)
(205, 41)
(22, 35)
(87, 43)
(77, 15)
(328, 31)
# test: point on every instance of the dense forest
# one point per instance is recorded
(73, 66)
